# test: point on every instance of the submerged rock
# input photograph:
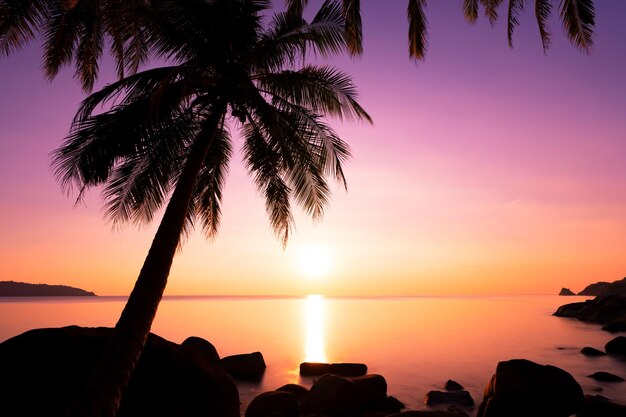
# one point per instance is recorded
(446, 397)
(606, 377)
(298, 391)
(203, 348)
(589, 351)
(522, 388)
(43, 370)
(341, 369)
(599, 406)
(615, 326)
(616, 346)
(452, 385)
(275, 404)
(246, 366)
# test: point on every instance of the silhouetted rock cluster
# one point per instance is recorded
(566, 291)
(43, 370)
(605, 288)
(609, 310)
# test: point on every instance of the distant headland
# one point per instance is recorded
(600, 288)
(23, 289)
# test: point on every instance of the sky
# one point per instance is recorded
(488, 170)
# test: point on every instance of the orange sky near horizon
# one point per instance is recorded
(487, 171)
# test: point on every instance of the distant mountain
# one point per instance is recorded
(22, 289)
(605, 288)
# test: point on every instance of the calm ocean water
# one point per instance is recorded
(417, 343)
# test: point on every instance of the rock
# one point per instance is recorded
(275, 404)
(566, 291)
(524, 388)
(298, 391)
(203, 348)
(602, 309)
(393, 404)
(616, 346)
(445, 397)
(615, 326)
(43, 370)
(332, 396)
(452, 385)
(606, 377)
(246, 366)
(341, 369)
(429, 413)
(589, 351)
(371, 391)
(599, 406)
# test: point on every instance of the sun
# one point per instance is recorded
(314, 261)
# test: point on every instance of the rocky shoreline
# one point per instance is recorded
(43, 369)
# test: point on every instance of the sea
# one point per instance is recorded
(416, 343)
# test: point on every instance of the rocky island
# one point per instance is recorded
(23, 289)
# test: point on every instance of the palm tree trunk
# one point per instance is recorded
(104, 389)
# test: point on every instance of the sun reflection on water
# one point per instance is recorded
(315, 343)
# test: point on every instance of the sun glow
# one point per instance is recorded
(314, 261)
(315, 343)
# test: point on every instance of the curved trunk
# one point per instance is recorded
(104, 389)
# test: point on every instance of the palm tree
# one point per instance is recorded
(165, 131)
(78, 30)
(577, 16)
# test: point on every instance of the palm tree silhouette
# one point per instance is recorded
(577, 16)
(165, 131)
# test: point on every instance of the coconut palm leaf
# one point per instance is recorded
(470, 10)
(516, 7)
(578, 18)
(543, 10)
(418, 29)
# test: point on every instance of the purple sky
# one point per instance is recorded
(487, 170)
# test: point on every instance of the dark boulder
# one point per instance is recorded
(452, 385)
(246, 366)
(566, 291)
(599, 406)
(275, 404)
(524, 388)
(589, 351)
(429, 413)
(615, 326)
(602, 309)
(203, 348)
(341, 369)
(606, 377)
(616, 346)
(332, 396)
(571, 309)
(446, 397)
(298, 391)
(371, 391)
(43, 370)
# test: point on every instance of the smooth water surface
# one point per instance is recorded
(417, 343)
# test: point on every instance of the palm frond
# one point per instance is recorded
(264, 165)
(207, 199)
(20, 20)
(295, 8)
(578, 18)
(516, 7)
(354, 29)
(325, 89)
(418, 29)
(60, 35)
(89, 49)
(491, 9)
(543, 10)
(470, 10)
